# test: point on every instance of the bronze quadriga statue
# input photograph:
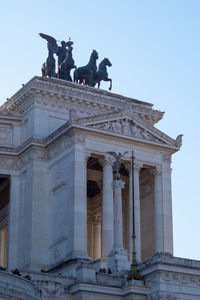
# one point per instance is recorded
(88, 74)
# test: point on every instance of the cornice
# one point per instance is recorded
(162, 258)
(71, 92)
(8, 116)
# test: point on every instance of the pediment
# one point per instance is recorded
(128, 124)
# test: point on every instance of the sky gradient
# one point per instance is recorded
(154, 48)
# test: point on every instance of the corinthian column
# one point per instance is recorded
(107, 206)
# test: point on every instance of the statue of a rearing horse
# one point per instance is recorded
(102, 73)
(86, 73)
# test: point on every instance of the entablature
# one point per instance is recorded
(67, 92)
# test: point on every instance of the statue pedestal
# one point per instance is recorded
(118, 257)
(118, 261)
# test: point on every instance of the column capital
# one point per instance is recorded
(87, 155)
(127, 165)
(107, 160)
(137, 166)
(156, 171)
(118, 184)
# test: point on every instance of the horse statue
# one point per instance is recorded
(86, 73)
(102, 74)
(68, 64)
(48, 68)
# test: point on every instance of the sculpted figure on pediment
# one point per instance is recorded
(136, 131)
(117, 127)
(146, 135)
(126, 127)
(107, 126)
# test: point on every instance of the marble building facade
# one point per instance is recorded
(56, 197)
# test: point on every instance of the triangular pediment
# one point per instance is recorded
(127, 124)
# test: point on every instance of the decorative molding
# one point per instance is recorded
(162, 296)
(50, 289)
(35, 153)
(47, 88)
(9, 163)
(169, 259)
(178, 141)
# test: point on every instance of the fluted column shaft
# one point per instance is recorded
(107, 206)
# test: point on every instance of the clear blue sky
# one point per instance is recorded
(154, 46)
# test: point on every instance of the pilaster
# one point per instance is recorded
(158, 209)
(79, 203)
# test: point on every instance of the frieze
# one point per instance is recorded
(161, 296)
(32, 154)
(9, 163)
(50, 289)
(5, 134)
(172, 278)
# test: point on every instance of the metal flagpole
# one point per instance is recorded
(134, 263)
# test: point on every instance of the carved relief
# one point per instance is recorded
(50, 289)
(58, 180)
(8, 163)
(34, 153)
(5, 134)
(126, 127)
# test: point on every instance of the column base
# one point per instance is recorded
(118, 261)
